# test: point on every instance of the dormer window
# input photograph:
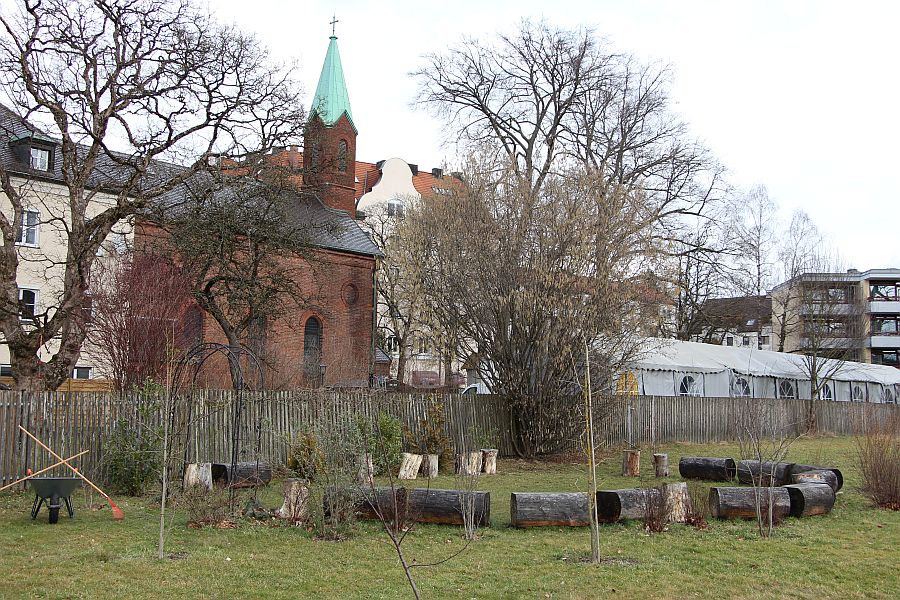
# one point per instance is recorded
(40, 159)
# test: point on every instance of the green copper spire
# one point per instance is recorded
(331, 99)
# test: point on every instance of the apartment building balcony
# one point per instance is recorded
(831, 309)
(882, 307)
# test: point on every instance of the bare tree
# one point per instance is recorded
(522, 277)
(158, 80)
(755, 241)
(139, 306)
(797, 255)
(399, 307)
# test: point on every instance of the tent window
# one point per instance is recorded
(859, 395)
(627, 383)
(825, 393)
(786, 389)
(887, 396)
(689, 387)
(740, 388)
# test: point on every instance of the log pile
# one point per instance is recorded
(702, 467)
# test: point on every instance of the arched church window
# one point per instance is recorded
(342, 155)
(312, 339)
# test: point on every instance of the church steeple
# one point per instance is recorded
(331, 99)
(329, 144)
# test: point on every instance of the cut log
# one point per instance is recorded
(489, 461)
(678, 502)
(368, 503)
(249, 474)
(661, 465)
(826, 477)
(809, 499)
(468, 463)
(296, 500)
(613, 505)
(764, 473)
(548, 509)
(711, 469)
(409, 465)
(837, 473)
(740, 502)
(430, 466)
(446, 506)
(631, 463)
(198, 475)
(365, 473)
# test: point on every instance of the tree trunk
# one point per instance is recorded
(26, 369)
(838, 476)
(468, 463)
(409, 465)
(296, 500)
(430, 466)
(809, 499)
(401, 364)
(489, 461)
(631, 463)
(613, 505)
(661, 465)
(198, 474)
(826, 477)
(764, 473)
(678, 502)
(366, 471)
(548, 509)
(740, 502)
(712, 469)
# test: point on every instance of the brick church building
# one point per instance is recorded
(333, 344)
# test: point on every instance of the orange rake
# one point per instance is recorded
(116, 511)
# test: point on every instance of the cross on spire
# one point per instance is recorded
(333, 21)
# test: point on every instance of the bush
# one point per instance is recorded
(131, 457)
(878, 450)
(699, 494)
(433, 439)
(305, 458)
(656, 510)
(388, 444)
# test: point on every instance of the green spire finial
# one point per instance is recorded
(331, 99)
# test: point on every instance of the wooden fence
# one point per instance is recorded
(205, 421)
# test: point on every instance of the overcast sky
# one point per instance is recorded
(801, 96)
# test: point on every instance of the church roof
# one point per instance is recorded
(331, 99)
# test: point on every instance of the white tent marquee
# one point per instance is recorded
(675, 368)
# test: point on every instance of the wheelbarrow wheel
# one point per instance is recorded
(53, 507)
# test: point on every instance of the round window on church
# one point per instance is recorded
(350, 294)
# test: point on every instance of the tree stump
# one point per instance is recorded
(808, 499)
(826, 477)
(430, 466)
(740, 502)
(199, 475)
(296, 500)
(468, 463)
(409, 465)
(489, 461)
(661, 465)
(365, 473)
(678, 502)
(631, 463)
(549, 509)
(702, 467)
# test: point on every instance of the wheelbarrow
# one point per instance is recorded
(52, 490)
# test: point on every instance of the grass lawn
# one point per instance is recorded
(853, 552)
